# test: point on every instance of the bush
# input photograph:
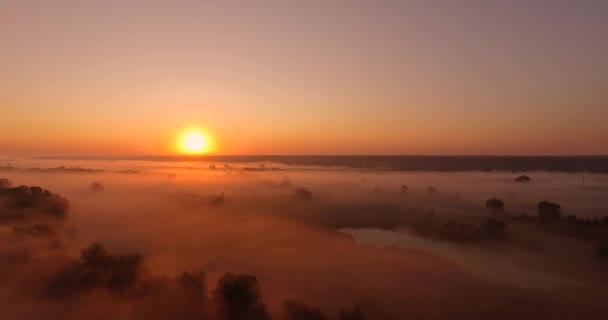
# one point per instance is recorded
(523, 178)
(495, 204)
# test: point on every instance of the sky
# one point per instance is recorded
(304, 77)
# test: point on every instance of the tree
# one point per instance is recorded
(240, 297)
(97, 187)
(548, 211)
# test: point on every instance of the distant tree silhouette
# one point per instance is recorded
(20, 202)
(431, 190)
(548, 211)
(240, 298)
(403, 188)
(112, 271)
(495, 204)
(303, 194)
(97, 187)
(523, 178)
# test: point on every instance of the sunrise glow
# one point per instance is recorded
(193, 141)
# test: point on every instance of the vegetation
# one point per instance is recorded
(548, 211)
(96, 187)
(18, 203)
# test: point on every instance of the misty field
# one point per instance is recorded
(306, 242)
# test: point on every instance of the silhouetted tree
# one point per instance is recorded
(548, 211)
(495, 204)
(431, 190)
(97, 187)
(403, 188)
(240, 297)
(112, 271)
(19, 202)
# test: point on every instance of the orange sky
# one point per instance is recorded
(315, 77)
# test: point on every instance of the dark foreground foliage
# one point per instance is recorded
(19, 203)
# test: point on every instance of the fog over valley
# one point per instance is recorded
(262, 240)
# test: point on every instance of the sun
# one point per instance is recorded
(194, 142)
